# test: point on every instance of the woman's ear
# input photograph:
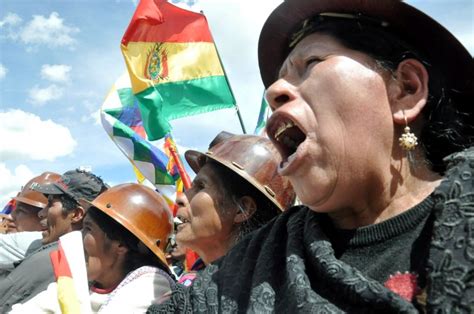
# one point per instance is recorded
(121, 248)
(409, 93)
(115, 248)
(247, 208)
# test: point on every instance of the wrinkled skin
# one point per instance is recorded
(352, 112)
(208, 227)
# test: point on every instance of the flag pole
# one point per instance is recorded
(182, 173)
(228, 83)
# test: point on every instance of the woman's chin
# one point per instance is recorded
(184, 238)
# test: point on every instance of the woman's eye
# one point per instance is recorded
(312, 60)
(198, 186)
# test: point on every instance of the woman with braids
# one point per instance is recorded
(126, 231)
(372, 115)
(236, 190)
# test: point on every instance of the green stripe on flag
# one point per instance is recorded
(141, 151)
(120, 129)
(168, 101)
(126, 97)
(262, 116)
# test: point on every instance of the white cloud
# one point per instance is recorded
(49, 31)
(12, 181)
(3, 71)
(186, 3)
(55, 72)
(25, 136)
(93, 116)
(11, 19)
(40, 96)
(9, 26)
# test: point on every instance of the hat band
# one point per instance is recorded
(307, 26)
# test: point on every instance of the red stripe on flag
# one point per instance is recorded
(160, 21)
(60, 264)
(140, 130)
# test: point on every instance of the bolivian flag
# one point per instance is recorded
(67, 296)
(71, 275)
(173, 64)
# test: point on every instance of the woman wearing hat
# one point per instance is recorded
(372, 115)
(126, 231)
(236, 190)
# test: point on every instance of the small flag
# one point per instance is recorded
(122, 121)
(173, 64)
(71, 275)
(67, 297)
(9, 207)
(262, 116)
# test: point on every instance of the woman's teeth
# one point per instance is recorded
(283, 126)
(288, 160)
(180, 220)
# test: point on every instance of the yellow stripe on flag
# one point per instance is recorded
(67, 296)
(138, 174)
(171, 62)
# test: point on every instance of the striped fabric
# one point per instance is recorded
(122, 121)
(69, 268)
(173, 64)
(9, 207)
(67, 297)
(262, 117)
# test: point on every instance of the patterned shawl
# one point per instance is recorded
(289, 266)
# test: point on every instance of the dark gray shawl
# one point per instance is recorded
(289, 266)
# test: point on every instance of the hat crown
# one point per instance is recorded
(142, 211)
(34, 198)
(81, 184)
(441, 48)
(255, 159)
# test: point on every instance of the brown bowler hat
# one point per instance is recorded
(255, 159)
(441, 48)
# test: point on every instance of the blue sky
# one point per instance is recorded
(59, 59)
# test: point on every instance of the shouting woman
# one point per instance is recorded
(372, 115)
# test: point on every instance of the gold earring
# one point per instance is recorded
(408, 141)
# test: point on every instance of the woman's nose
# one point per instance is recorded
(181, 200)
(42, 213)
(280, 93)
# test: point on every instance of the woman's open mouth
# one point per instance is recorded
(179, 222)
(44, 227)
(286, 135)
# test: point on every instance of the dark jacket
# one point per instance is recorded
(29, 278)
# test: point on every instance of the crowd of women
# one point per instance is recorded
(371, 135)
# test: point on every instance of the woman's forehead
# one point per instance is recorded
(315, 44)
(207, 172)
